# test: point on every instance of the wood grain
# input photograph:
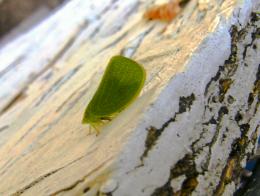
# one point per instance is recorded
(194, 125)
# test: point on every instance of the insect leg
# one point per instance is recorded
(96, 129)
(89, 129)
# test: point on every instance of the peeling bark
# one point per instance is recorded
(189, 133)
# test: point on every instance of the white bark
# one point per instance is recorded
(190, 131)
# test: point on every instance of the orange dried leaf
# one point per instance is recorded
(166, 12)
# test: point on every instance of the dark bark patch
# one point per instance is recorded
(186, 166)
(224, 85)
(153, 134)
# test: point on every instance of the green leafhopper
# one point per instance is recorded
(120, 85)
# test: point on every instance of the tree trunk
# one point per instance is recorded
(191, 130)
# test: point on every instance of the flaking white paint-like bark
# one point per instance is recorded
(190, 131)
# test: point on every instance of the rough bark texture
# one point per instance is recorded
(190, 132)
